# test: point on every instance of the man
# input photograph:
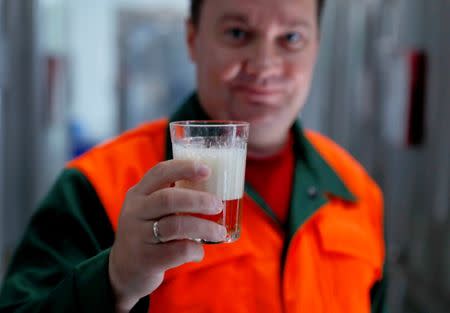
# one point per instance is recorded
(312, 226)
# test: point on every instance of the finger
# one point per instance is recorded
(177, 253)
(165, 173)
(181, 227)
(179, 200)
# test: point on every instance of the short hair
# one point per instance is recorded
(196, 9)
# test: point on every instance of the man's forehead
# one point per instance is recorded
(287, 12)
(290, 21)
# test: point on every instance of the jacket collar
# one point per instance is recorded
(327, 179)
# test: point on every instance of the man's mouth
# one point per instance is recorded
(267, 96)
(257, 90)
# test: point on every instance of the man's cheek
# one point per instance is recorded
(225, 65)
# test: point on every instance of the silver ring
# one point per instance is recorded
(156, 233)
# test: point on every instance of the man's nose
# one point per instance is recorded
(263, 60)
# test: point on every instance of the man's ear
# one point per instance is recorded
(191, 36)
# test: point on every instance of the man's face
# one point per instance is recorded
(255, 60)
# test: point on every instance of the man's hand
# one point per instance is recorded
(138, 260)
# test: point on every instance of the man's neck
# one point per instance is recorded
(266, 150)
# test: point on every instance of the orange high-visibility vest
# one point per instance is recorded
(327, 263)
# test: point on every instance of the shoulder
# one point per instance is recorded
(113, 167)
(139, 145)
(369, 197)
(351, 172)
(362, 222)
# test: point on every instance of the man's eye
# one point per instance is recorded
(236, 34)
(294, 40)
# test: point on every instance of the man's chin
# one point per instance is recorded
(255, 118)
(255, 114)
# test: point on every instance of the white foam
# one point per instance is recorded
(227, 170)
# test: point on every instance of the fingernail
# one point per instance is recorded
(203, 170)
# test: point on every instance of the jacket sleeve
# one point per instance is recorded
(378, 293)
(61, 265)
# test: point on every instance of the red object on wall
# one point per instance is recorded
(418, 64)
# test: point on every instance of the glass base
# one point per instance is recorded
(230, 239)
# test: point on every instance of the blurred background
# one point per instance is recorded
(74, 73)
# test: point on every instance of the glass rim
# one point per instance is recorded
(210, 123)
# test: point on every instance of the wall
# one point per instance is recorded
(93, 35)
(2, 132)
(19, 123)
